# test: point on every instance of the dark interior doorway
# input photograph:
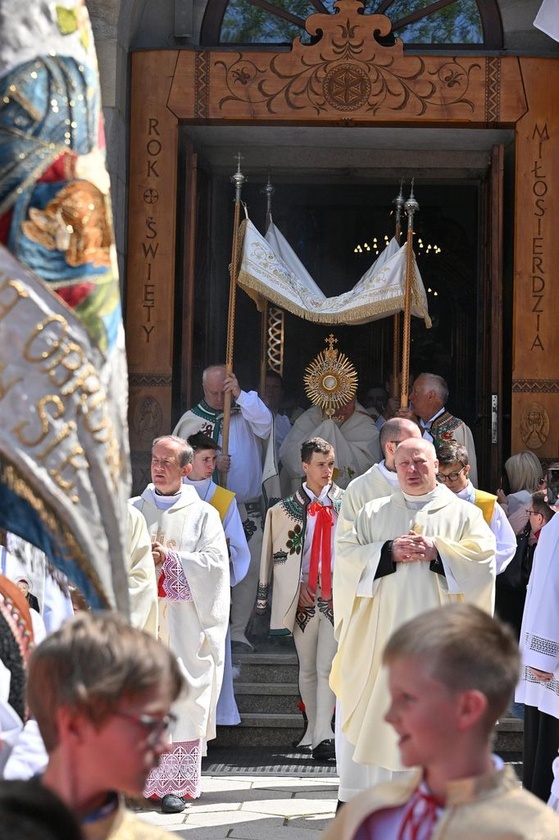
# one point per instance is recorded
(329, 225)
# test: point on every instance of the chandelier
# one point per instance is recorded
(424, 249)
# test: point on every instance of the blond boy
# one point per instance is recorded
(451, 673)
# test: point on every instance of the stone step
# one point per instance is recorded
(271, 698)
(509, 735)
(261, 729)
(266, 667)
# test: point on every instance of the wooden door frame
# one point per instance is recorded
(345, 79)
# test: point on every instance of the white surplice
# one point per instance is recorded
(501, 527)
(142, 582)
(227, 713)
(539, 636)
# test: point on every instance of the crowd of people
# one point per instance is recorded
(360, 534)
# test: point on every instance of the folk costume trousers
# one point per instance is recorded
(313, 634)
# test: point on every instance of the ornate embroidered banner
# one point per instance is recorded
(64, 472)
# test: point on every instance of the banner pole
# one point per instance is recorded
(268, 191)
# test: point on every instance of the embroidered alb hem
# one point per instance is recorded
(179, 772)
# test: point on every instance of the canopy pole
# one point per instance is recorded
(411, 207)
(268, 191)
(398, 203)
(238, 180)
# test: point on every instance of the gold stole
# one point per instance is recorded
(486, 503)
(221, 500)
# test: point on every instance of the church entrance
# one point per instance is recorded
(338, 219)
(338, 122)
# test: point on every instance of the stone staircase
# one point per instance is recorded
(267, 695)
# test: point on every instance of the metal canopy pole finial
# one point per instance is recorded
(238, 178)
(411, 207)
(398, 203)
(268, 189)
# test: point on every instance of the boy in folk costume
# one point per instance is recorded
(298, 547)
(451, 674)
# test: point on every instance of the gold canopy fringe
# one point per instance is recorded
(259, 292)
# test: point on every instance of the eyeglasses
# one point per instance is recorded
(154, 727)
(533, 512)
(453, 476)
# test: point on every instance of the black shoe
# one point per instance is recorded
(325, 751)
(172, 804)
(302, 748)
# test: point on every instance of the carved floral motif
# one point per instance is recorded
(346, 69)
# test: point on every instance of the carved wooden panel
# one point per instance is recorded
(150, 273)
(346, 76)
(535, 384)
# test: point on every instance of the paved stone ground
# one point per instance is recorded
(268, 805)
(248, 807)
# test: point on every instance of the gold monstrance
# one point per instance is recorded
(330, 379)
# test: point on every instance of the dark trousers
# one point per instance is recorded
(541, 742)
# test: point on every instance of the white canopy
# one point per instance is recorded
(270, 269)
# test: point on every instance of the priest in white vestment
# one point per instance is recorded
(420, 548)
(380, 480)
(251, 448)
(190, 553)
(352, 434)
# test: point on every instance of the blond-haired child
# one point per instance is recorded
(451, 673)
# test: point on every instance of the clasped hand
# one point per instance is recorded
(413, 548)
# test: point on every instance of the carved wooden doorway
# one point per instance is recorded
(345, 78)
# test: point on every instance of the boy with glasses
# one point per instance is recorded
(101, 692)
